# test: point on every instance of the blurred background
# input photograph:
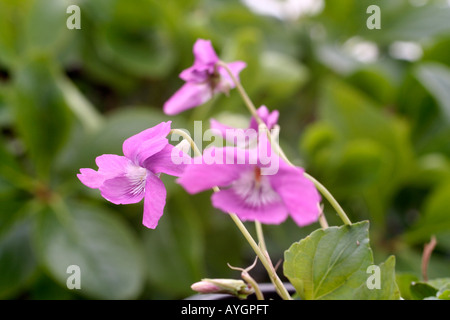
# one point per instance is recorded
(365, 111)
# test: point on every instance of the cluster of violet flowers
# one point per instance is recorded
(246, 185)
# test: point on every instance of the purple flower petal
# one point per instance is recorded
(269, 118)
(155, 200)
(127, 188)
(169, 160)
(217, 167)
(219, 128)
(228, 200)
(196, 73)
(299, 194)
(226, 81)
(203, 79)
(141, 146)
(109, 166)
(91, 178)
(204, 53)
(190, 95)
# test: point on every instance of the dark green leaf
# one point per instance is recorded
(404, 281)
(11, 18)
(17, 260)
(333, 264)
(40, 112)
(45, 29)
(104, 248)
(435, 218)
(365, 146)
(422, 290)
(436, 78)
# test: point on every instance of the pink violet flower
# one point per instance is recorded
(203, 79)
(134, 176)
(248, 191)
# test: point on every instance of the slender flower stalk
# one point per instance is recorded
(322, 220)
(330, 199)
(260, 234)
(282, 291)
(249, 279)
(252, 109)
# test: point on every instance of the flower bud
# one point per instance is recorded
(237, 288)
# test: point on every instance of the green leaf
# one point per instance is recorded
(416, 23)
(40, 112)
(388, 289)
(439, 283)
(79, 104)
(404, 281)
(360, 136)
(105, 249)
(45, 29)
(333, 264)
(413, 289)
(443, 285)
(280, 76)
(435, 218)
(17, 260)
(11, 18)
(362, 164)
(436, 78)
(444, 294)
(12, 207)
(140, 45)
(139, 54)
(10, 170)
(45, 288)
(422, 290)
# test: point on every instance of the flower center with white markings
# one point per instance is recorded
(137, 176)
(255, 189)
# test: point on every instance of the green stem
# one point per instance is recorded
(247, 278)
(281, 289)
(252, 109)
(260, 235)
(261, 255)
(188, 138)
(254, 285)
(242, 92)
(323, 221)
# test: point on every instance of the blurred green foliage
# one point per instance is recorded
(375, 131)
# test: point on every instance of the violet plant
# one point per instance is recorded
(253, 181)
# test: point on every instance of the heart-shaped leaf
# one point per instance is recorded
(337, 263)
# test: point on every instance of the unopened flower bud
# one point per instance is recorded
(237, 288)
(205, 287)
